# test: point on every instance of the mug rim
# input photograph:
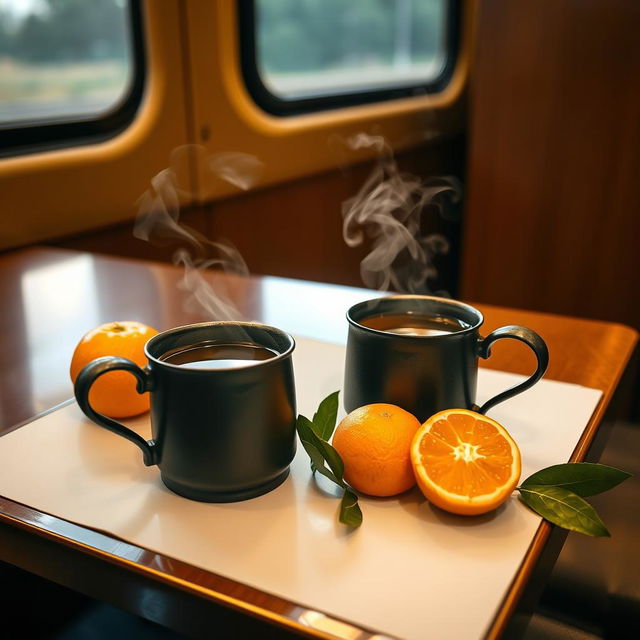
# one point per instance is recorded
(413, 296)
(181, 367)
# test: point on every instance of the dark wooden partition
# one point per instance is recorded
(553, 209)
(552, 223)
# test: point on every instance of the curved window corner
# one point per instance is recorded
(71, 73)
(298, 57)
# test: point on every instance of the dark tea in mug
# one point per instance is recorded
(223, 408)
(414, 324)
(213, 355)
(421, 353)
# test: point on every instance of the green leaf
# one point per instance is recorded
(350, 513)
(314, 435)
(304, 428)
(318, 461)
(315, 450)
(326, 452)
(324, 419)
(333, 459)
(564, 508)
(582, 478)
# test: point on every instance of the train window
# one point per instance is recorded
(318, 54)
(70, 71)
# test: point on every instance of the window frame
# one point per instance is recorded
(277, 106)
(71, 131)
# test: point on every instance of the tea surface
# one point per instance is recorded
(414, 324)
(208, 355)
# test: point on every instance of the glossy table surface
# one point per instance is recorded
(52, 297)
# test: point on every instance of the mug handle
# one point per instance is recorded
(90, 374)
(531, 339)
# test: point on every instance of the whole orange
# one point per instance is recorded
(114, 393)
(374, 443)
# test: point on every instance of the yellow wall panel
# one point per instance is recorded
(54, 193)
(295, 146)
(195, 93)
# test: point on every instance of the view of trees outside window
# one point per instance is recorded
(62, 59)
(315, 47)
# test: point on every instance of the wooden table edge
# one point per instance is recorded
(10, 515)
(544, 530)
(291, 619)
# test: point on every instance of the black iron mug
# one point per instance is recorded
(219, 435)
(425, 374)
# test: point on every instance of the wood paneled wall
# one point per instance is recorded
(553, 209)
(295, 229)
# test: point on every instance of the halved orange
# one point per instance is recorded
(465, 462)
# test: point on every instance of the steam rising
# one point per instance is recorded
(158, 222)
(388, 210)
(239, 169)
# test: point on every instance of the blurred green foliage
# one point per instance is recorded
(67, 31)
(311, 35)
(293, 35)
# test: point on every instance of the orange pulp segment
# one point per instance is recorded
(465, 462)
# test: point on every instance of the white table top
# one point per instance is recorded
(409, 568)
